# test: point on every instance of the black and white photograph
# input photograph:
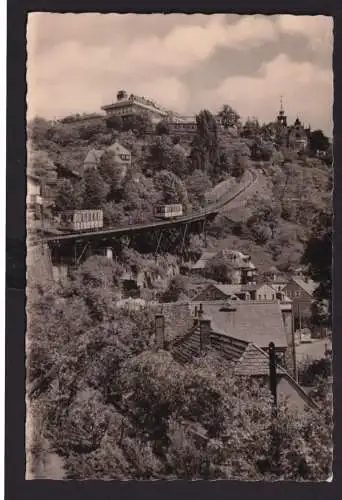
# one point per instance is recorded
(179, 247)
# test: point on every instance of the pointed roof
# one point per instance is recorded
(308, 286)
(118, 148)
(93, 157)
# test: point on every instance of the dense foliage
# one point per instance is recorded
(114, 408)
(110, 404)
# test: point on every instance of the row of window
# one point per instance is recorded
(124, 157)
(80, 216)
(293, 294)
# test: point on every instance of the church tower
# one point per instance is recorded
(282, 118)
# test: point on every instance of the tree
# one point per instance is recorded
(140, 124)
(41, 166)
(251, 129)
(318, 141)
(114, 122)
(229, 116)
(264, 220)
(68, 197)
(139, 195)
(171, 187)
(198, 184)
(96, 189)
(219, 269)
(89, 130)
(318, 257)
(162, 128)
(113, 173)
(175, 289)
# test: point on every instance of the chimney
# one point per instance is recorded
(160, 331)
(205, 328)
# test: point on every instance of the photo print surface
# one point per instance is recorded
(179, 225)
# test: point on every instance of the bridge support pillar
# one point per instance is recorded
(109, 253)
(203, 231)
(159, 238)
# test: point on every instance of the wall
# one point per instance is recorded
(287, 390)
(265, 292)
(301, 299)
(38, 263)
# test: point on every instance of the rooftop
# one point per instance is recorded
(308, 286)
(116, 147)
(93, 157)
(244, 359)
(251, 321)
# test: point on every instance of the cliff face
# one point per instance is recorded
(38, 264)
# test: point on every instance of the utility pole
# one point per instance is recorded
(273, 387)
(273, 374)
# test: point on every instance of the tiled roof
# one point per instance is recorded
(308, 286)
(93, 157)
(254, 361)
(251, 321)
(118, 148)
(228, 290)
(231, 289)
(244, 359)
(202, 261)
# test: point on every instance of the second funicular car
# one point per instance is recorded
(168, 211)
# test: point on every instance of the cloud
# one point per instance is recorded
(317, 29)
(77, 62)
(259, 95)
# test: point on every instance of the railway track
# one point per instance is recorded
(211, 210)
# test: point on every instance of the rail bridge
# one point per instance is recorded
(81, 243)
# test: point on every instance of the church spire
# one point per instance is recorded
(282, 118)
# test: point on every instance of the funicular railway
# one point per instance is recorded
(201, 215)
(68, 249)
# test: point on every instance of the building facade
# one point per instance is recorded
(295, 137)
(130, 105)
(298, 136)
(300, 291)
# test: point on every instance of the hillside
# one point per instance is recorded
(274, 222)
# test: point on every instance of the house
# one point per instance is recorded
(301, 291)
(276, 280)
(92, 160)
(34, 192)
(200, 264)
(122, 156)
(243, 269)
(257, 322)
(261, 291)
(254, 321)
(242, 358)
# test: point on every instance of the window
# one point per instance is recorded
(259, 297)
(298, 294)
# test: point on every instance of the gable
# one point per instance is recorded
(293, 290)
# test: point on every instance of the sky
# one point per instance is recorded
(77, 62)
